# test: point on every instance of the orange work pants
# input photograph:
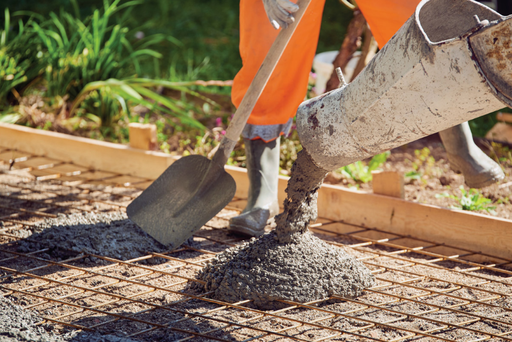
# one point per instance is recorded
(273, 114)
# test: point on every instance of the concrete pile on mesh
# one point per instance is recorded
(288, 264)
(268, 271)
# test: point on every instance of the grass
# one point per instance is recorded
(201, 36)
(89, 67)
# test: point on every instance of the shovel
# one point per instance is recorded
(194, 189)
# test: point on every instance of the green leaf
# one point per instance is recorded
(378, 160)
(10, 118)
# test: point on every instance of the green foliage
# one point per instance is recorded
(139, 92)
(480, 126)
(78, 52)
(103, 106)
(500, 153)
(90, 62)
(290, 146)
(423, 159)
(11, 75)
(423, 166)
(194, 31)
(471, 200)
(412, 175)
(19, 63)
(360, 172)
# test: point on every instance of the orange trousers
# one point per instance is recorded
(273, 114)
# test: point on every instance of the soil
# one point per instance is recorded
(437, 179)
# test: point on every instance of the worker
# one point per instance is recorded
(273, 114)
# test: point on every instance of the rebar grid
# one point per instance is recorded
(424, 291)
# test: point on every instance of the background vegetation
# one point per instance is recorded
(202, 35)
(90, 67)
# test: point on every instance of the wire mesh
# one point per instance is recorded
(424, 291)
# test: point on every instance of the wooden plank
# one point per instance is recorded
(505, 117)
(142, 136)
(388, 183)
(97, 175)
(472, 231)
(124, 180)
(11, 155)
(467, 230)
(92, 154)
(67, 169)
(500, 132)
(36, 163)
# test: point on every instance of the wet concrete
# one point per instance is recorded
(19, 325)
(300, 205)
(303, 269)
(105, 234)
(288, 263)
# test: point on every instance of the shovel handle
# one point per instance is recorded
(256, 88)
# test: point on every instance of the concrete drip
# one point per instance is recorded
(300, 205)
(288, 263)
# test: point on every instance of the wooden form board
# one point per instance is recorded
(142, 136)
(93, 154)
(476, 232)
(467, 230)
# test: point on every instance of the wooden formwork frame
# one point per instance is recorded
(488, 235)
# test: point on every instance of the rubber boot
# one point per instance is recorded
(262, 203)
(464, 156)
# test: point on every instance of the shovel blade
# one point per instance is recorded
(171, 211)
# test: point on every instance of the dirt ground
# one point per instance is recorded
(64, 260)
(436, 176)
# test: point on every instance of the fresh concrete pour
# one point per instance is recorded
(105, 234)
(288, 263)
(19, 325)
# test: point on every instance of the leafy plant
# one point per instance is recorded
(78, 52)
(412, 175)
(423, 159)
(500, 153)
(138, 91)
(471, 200)
(360, 172)
(290, 146)
(103, 106)
(423, 166)
(18, 61)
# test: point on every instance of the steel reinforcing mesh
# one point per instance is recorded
(424, 291)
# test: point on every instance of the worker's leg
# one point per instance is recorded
(385, 17)
(478, 169)
(273, 114)
(263, 172)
